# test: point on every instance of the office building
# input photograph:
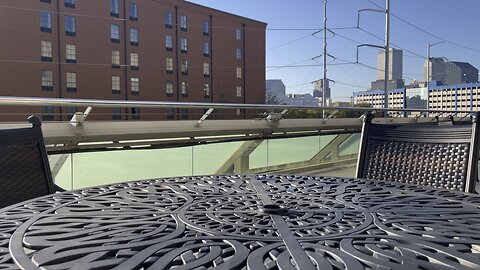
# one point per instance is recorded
(462, 97)
(319, 88)
(450, 72)
(376, 99)
(168, 50)
(275, 91)
(395, 72)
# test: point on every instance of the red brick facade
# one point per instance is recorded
(67, 49)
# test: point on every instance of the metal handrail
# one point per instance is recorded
(37, 101)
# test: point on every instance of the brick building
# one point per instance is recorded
(168, 50)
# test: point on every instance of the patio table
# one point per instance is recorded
(244, 222)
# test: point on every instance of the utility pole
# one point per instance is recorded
(428, 66)
(387, 52)
(324, 54)
(386, 47)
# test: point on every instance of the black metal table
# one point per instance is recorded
(245, 222)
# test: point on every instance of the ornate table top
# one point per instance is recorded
(245, 222)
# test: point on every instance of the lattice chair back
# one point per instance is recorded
(24, 169)
(429, 155)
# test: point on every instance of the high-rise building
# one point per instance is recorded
(275, 87)
(275, 91)
(450, 72)
(169, 50)
(395, 71)
(437, 69)
(318, 89)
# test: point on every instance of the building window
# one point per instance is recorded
(168, 42)
(135, 113)
(184, 113)
(71, 53)
(134, 61)
(238, 34)
(135, 85)
(206, 69)
(168, 19)
(114, 33)
(206, 28)
(133, 11)
(183, 45)
(206, 90)
(117, 113)
(46, 1)
(114, 8)
(183, 23)
(115, 84)
(169, 88)
(239, 72)
(45, 21)
(70, 26)
(170, 113)
(184, 67)
(70, 3)
(115, 59)
(134, 36)
(184, 89)
(48, 112)
(47, 80)
(206, 49)
(169, 65)
(239, 91)
(46, 50)
(71, 82)
(239, 53)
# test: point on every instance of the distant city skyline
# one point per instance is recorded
(294, 55)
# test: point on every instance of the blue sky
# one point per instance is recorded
(454, 21)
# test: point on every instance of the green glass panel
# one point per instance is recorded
(99, 168)
(284, 151)
(61, 166)
(350, 146)
(259, 157)
(216, 158)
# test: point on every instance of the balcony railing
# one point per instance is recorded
(86, 152)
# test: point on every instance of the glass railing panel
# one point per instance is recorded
(350, 146)
(259, 157)
(291, 150)
(215, 158)
(98, 168)
(275, 155)
(61, 166)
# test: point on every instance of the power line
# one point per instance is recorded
(449, 16)
(290, 42)
(348, 84)
(368, 66)
(347, 38)
(428, 32)
(398, 47)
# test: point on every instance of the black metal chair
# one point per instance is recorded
(430, 155)
(24, 169)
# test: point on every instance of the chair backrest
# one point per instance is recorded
(429, 155)
(24, 169)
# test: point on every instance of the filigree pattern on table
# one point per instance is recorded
(244, 222)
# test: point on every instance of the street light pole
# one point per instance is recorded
(324, 54)
(387, 52)
(428, 68)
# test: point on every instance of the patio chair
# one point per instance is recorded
(24, 169)
(443, 156)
